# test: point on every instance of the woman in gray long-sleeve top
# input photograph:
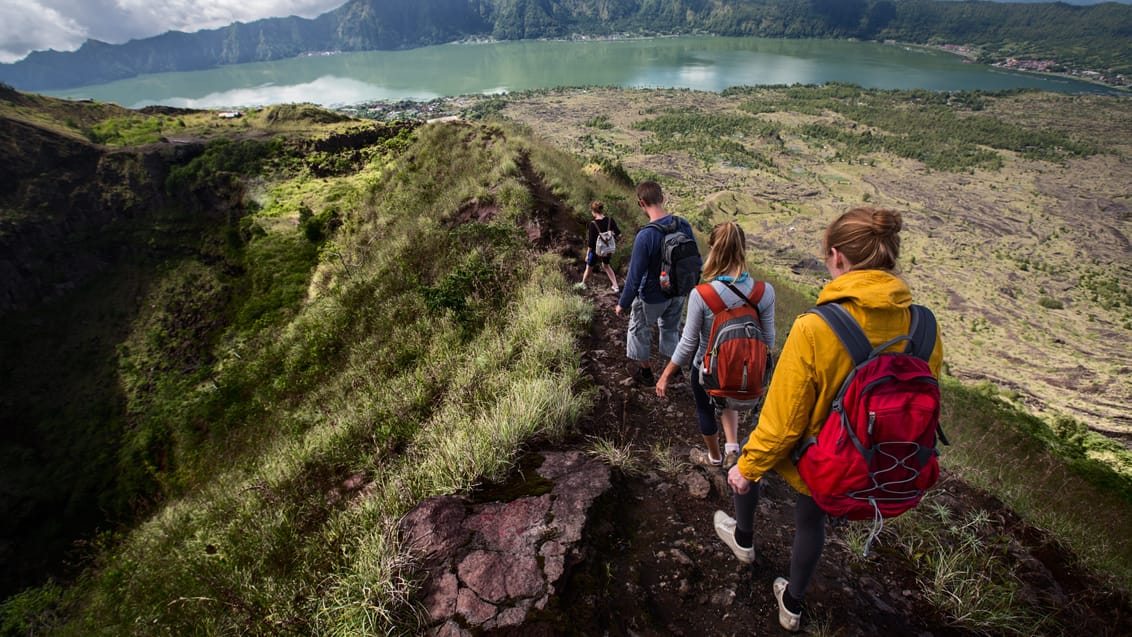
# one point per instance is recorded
(726, 262)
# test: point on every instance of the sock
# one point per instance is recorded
(791, 604)
(728, 447)
(745, 539)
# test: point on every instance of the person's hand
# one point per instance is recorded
(618, 309)
(739, 482)
(662, 385)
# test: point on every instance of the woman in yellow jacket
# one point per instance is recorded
(860, 249)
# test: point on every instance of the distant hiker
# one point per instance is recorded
(729, 284)
(665, 236)
(860, 249)
(601, 243)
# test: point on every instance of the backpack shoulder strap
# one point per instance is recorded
(847, 329)
(922, 332)
(755, 296)
(711, 298)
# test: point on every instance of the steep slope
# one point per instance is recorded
(119, 266)
(1024, 254)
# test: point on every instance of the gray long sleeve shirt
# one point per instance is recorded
(697, 324)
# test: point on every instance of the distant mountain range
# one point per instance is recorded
(1095, 37)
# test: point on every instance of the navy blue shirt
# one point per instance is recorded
(644, 265)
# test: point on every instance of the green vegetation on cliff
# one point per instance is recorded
(410, 350)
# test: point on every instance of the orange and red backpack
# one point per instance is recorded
(734, 366)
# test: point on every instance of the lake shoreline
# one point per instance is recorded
(689, 61)
(972, 57)
(967, 53)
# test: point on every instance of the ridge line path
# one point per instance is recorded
(656, 566)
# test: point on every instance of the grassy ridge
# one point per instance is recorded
(387, 381)
(416, 358)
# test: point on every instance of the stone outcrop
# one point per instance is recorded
(488, 565)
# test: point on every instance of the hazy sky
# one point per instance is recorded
(63, 25)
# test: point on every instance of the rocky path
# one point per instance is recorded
(639, 556)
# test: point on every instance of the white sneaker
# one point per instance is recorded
(788, 620)
(615, 289)
(579, 286)
(703, 458)
(725, 529)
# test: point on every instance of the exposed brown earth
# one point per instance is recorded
(980, 248)
(648, 561)
(662, 518)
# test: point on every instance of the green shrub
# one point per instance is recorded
(1050, 303)
(127, 131)
(486, 109)
(317, 228)
(613, 169)
(423, 369)
(31, 611)
(710, 138)
(600, 122)
(221, 157)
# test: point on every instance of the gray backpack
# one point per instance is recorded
(680, 262)
(606, 242)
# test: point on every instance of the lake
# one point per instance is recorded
(701, 63)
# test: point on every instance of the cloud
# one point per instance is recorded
(63, 25)
(26, 25)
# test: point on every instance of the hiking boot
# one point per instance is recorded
(703, 458)
(725, 529)
(641, 374)
(730, 459)
(788, 620)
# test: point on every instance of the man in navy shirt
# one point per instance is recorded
(642, 291)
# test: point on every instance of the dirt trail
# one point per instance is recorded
(659, 569)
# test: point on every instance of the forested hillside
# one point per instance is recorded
(1094, 37)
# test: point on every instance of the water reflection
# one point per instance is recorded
(327, 90)
(701, 63)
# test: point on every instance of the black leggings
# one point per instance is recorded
(809, 535)
(705, 408)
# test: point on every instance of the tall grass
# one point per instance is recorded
(1084, 503)
(319, 429)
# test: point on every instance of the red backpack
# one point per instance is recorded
(734, 366)
(876, 454)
